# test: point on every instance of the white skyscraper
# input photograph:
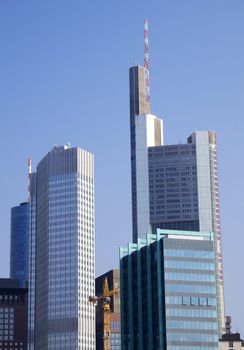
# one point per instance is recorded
(64, 271)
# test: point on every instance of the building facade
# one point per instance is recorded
(113, 277)
(19, 240)
(63, 250)
(13, 315)
(32, 263)
(168, 292)
(173, 186)
(146, 130)
(231, 341)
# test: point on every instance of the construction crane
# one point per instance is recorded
(105, 298)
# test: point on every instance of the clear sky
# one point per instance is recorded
(64, 77)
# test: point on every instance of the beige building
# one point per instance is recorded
(231, 341)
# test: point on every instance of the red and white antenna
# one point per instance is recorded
(146, 61)
(29, 176)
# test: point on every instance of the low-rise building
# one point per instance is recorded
(13, 315)
(231, 341)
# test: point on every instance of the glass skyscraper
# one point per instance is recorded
(32, 253)
(19, 243)
(63, 251)
(173, 186)
(168, 292)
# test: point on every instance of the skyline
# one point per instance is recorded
(65, 92)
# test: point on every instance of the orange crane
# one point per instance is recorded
(105, 298)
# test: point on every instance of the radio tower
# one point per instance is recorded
(146, 61)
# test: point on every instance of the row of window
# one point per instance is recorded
(8, 297)
(191, 325)
(183, 276)
(189, 253)
(192, 337)
(190, 289)
(192, 265)
(187, 312)
(182, 347)
(188, 300)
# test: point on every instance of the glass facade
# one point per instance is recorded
(168, 292)
(187, 305)
(32, 246)
(19, 253)
(63, 251)
(173, 187)
(113, 278)
(183, 193)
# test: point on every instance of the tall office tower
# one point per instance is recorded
(19, 243)
(113, 277)
(64, 250)
(13, 315)
(146, 130)
(32, 247)
(168, 292)
(183, 194)
(173, 186)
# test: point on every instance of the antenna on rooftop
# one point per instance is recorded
(146, 60)
(29, 176)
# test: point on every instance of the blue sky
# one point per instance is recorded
(64, 77)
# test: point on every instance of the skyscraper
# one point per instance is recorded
(63, 226)
(168, 292)
(19, 243)
(173, 186)
(146, 130)
(32, 262)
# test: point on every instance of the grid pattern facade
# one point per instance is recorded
(64, 271)
(115, 337)
(168, 292)
(183, 194)
(13, 316)
(190, 295)
(173, 187)
(19, 262)
(138, 106)
(208, 204)
(6, 324)
(32, 246)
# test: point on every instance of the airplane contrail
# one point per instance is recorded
(108, 100)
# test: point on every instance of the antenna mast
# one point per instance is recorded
(146, 60)
(29, 176)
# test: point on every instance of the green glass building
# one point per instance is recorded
(168, 292)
